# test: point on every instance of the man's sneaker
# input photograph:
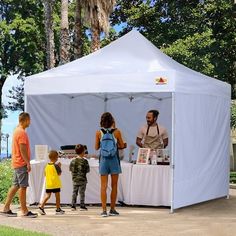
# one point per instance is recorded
(41, 211)
(113, 212)
(73, 208)
(83, 208)
(30, 215)
(60, 211)
(8, 213)
(104, 214)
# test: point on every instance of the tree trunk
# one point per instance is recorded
(48, 10)
(64, 36)
(78, 31)
(2, 81)
(95, 32)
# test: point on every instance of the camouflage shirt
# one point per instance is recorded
(79, 167)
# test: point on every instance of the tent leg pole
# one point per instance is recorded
(172, 153)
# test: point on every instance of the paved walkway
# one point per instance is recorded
(217, 217)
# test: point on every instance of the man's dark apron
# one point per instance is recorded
(153, 142)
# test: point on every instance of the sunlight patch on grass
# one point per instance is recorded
(9, 231)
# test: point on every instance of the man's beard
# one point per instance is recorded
(150, 122)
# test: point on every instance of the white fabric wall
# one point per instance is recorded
(201, 133)
(130, 116)
(201, 149)
(60, 119)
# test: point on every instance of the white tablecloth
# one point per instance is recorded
(150, 185)
(36, 188)
(138, 184)
(36, 181)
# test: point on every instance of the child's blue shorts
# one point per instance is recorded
(109, 165)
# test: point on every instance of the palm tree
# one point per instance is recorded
(48, 11)
(78, 30)
(64, 36)
(97, 14)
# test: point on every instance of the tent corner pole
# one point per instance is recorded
(172, 165)
(25, 103)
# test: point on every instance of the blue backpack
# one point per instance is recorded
(108, 147)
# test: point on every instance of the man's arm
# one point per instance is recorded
(165, 138)
(139, 142)
(24, 154)
(140, 137)
(120, 141)
(165, 142)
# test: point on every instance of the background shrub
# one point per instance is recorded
(6, 174)
(233, 177)
(233, 115)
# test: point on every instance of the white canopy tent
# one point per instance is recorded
(66, 103)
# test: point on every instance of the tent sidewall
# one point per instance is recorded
(200, 148)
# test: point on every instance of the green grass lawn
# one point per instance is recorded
(9, 231)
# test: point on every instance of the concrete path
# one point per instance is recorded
(216, 218)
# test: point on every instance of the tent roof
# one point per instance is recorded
(129, 64)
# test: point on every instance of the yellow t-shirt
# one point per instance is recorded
(52, 178)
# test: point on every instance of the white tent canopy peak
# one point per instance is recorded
(128, 64)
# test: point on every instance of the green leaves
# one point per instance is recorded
(232, 179)
(22, 34)
(194, 52)
(199, 34)
(233, 115)
(6, 174)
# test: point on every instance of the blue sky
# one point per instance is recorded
(9, 123)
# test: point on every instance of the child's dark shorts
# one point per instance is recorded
(53, 190)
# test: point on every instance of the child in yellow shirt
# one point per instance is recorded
(53, 182)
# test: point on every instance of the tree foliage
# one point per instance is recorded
(199, 34)
(181, 27)
(16, 95)
(21, 38)
(27, 44)
(96, 15)
(193, 52)
(233, 115)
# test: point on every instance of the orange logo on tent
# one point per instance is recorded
(161, 80)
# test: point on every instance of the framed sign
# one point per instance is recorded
(41, 152)
(153, 156)
(143, 156)
(163, 156)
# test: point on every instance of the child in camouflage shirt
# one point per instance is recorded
(79, 167)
